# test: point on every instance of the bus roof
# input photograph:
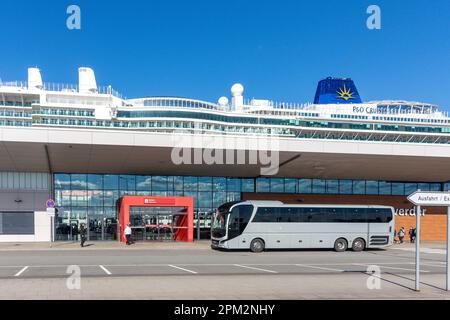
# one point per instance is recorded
(261, 203)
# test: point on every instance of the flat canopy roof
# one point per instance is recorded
(95, 151)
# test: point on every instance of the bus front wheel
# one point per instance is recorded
(257, 245)
(340, 245)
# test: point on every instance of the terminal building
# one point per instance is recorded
(90, 149)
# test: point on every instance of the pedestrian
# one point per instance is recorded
(414, 234)
(75, 232)
(128, 232)
(411, 235)
(401, 234)
(395, 235)
(83, 233)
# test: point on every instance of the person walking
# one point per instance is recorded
(128, 232)
(401, 234)
(411, 235)
(83, 233)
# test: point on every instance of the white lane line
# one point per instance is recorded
(320, 268)
(394, 268)
(433, 265)
(424, 250)
(106, 270)
(218, 264)
(21, 271)
(179, 268)
(253, 268)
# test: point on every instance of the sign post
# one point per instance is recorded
(50, 204)
(418, 216)
(431, 199)
(447, 286)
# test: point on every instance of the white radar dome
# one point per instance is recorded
(237, 90)
(223, 101)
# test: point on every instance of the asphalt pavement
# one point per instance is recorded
(194, 271)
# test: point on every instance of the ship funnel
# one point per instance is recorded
(337, 91)
(34, 79)
(86, 81)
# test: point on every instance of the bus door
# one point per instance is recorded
(238, 220)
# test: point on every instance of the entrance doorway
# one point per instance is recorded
(74, 230)
(157, 218)
(157, 223)
(95, 227)
(99, 225)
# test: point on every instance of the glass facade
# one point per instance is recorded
(91, 198)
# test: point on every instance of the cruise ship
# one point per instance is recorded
(336, 114)
(86, 147)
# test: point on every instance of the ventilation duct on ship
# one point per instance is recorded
(34, 79)
(223, 101)
(237, 92)
(86, 81)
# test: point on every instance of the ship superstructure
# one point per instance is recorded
(337, 113)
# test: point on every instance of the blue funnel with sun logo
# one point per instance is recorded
(336, 91)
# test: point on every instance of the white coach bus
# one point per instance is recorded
(260, 225)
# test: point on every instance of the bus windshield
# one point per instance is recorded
(218, 227)
(219, 221)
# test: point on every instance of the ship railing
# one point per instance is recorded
(60, 87)
(14, 84)
(276, 104)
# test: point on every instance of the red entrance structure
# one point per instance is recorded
(177, 213)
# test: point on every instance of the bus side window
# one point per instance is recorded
(283, 214)
(388, 213)
(380, 215)
(309, 215)
(357, 215)
(297, 214)
(245, 213)
(338, 215)
(265, 215)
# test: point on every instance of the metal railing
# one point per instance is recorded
(60, 87)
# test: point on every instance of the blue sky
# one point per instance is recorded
(197, 48)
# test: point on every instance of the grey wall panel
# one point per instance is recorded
(24, 181)
(17, 223)
(21, 200)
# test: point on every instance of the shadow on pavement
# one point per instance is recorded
(408, 278)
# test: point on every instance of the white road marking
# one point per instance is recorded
(424, 250)
(394, 268)
(332, 267)
(106, 270)
(218, 264)
(433, 265)
(253, 268)
(21, 271)
(320, 268)
(179, 268)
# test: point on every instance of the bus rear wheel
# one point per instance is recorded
(358, 245)
(257, 246)
(340, 245)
